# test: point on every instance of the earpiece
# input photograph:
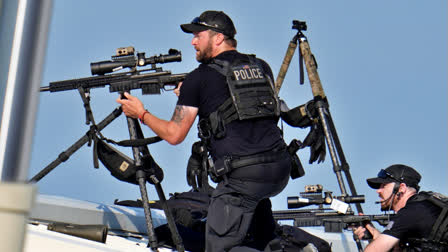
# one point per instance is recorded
(396, 187)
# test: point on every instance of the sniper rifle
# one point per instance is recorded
(150, 81)
(333, 219)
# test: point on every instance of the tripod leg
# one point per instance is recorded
(141, 178)
(285, 64)
(325, 117)
(63, 156)
(169, 216)
(344, 164)
(135, 132)
(329, 137)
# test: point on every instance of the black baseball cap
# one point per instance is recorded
(396, 173)
(214, 20)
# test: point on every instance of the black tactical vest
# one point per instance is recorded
(438, 238)
(251, 90)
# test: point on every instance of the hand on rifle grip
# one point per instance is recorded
(177, 90)
(364, 232)
(131, 105)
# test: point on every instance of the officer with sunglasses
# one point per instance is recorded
(397, 186)
(250, 157)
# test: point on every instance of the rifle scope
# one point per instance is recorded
(129, 60)
(298, 202)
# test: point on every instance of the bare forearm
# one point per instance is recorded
(173, 131)
(169, 131)
(382, 243)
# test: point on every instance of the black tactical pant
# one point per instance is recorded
(233, 204)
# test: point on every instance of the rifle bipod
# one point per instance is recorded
(141, 174)
(322, 106)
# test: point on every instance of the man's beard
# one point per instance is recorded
(386, 205)
(205, 55)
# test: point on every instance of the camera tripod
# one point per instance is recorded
(334, 145)
(142, 174)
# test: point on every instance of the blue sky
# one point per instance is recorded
(382, 65)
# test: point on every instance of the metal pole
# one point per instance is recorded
(20, 99)
(23, 31)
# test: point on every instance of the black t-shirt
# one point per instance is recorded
(206, 89)
(415, 220)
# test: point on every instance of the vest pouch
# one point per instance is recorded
(221, 167)
(297, 170)
(251, 91)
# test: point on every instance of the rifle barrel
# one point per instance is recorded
(44, 89)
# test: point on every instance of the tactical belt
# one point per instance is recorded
(226, 164)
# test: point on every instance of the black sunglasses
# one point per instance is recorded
(198, 21)
(385, 174)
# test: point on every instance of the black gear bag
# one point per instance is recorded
(122, 167)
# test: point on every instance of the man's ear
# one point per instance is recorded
(219, 39)
(402, 189)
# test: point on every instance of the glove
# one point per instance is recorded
(316, 141)
(193, 171)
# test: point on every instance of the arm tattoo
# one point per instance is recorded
(179, 114)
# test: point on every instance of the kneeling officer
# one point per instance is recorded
(416, 213)
(250, 156)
